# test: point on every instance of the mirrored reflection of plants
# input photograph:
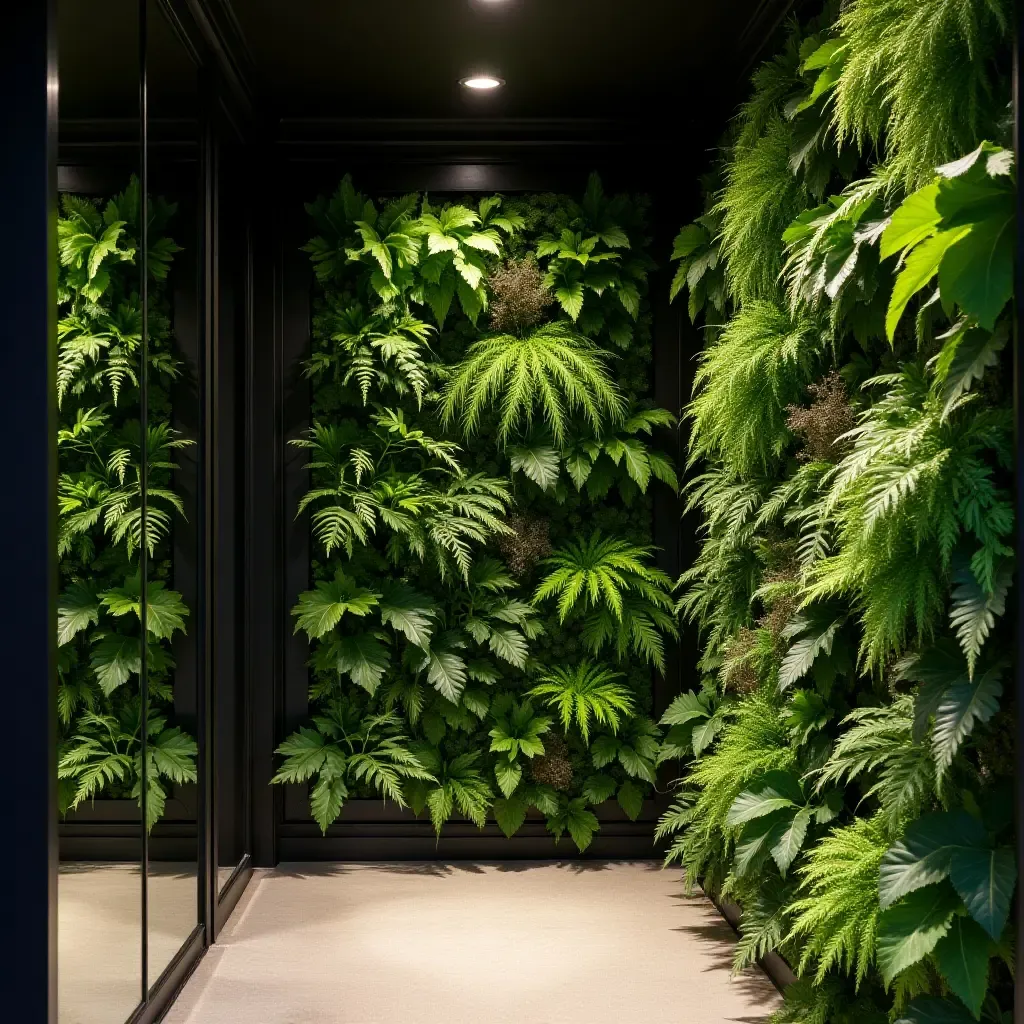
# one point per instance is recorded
(100, 444)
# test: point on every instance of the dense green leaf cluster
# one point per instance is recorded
(462, 581)
(100, 443)
(850, 749)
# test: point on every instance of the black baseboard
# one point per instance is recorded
(111, 830)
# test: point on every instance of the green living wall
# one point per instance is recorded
(851, 746)
(486, 612)
(100, 524)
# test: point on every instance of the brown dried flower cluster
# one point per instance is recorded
(526, 545)
(553, 767)
(520, 297)
(827, 419)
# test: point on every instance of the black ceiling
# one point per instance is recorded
(636, 61)
(560, 58)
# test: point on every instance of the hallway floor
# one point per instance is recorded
(463, 943)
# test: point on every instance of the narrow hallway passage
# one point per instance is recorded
(465, 943)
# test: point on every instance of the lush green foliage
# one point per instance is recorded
(100, 443)
(851, 441)
(443, 520)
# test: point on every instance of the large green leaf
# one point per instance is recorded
(165, 610)
(932, 1010)
(924, 854)
(985, 880)
(802, 654)
(977, 270)
(962, 956)
(77, 609)
(174, 754)
(326, 800)
(921, 266)
(598, 788)
(320, 610)
(364, 657)
(685, 708)
(539, 463)
(631, 799)
(909, 930)
(446, 672)
(914, 221)
(114, 659)
(963, 706)
(304, 755)
(774, 791)
(974, 610)
(510, 813)
(787, 846)
(967, 354)
(509, 774)
(408, 611)
(759, 837)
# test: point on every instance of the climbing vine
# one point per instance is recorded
(850, 752)
(486, 610)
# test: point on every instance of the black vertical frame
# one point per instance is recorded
(28, 347)
(1018, 420)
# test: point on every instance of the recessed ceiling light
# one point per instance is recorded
(482, 82)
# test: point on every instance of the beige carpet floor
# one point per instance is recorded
(509, 943)
(99, 934)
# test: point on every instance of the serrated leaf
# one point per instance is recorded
(631, 799)
(985, 880)
(115, 659)
(446, 672)
(77, 609)
(757, 839)
(409, 612)
(774, 791)
(962, 707)
(789, 843)
(603, 750)
(539, 463)
(636, 765)
(920, 267)
(704, 733)
(974, 611)
(326, 800)
(509, 774)
(962, 957)
(364, 658)
(304, 755)
(685, 708)
(509, 814)
(570, 298)
(910, 930)
(581, 825)
(802, 654)
(598, 788)
(924, 854)
(320, 610)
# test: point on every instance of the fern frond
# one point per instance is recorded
(553, 371)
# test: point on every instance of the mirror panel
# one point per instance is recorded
(100, 881)
(175, 510)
